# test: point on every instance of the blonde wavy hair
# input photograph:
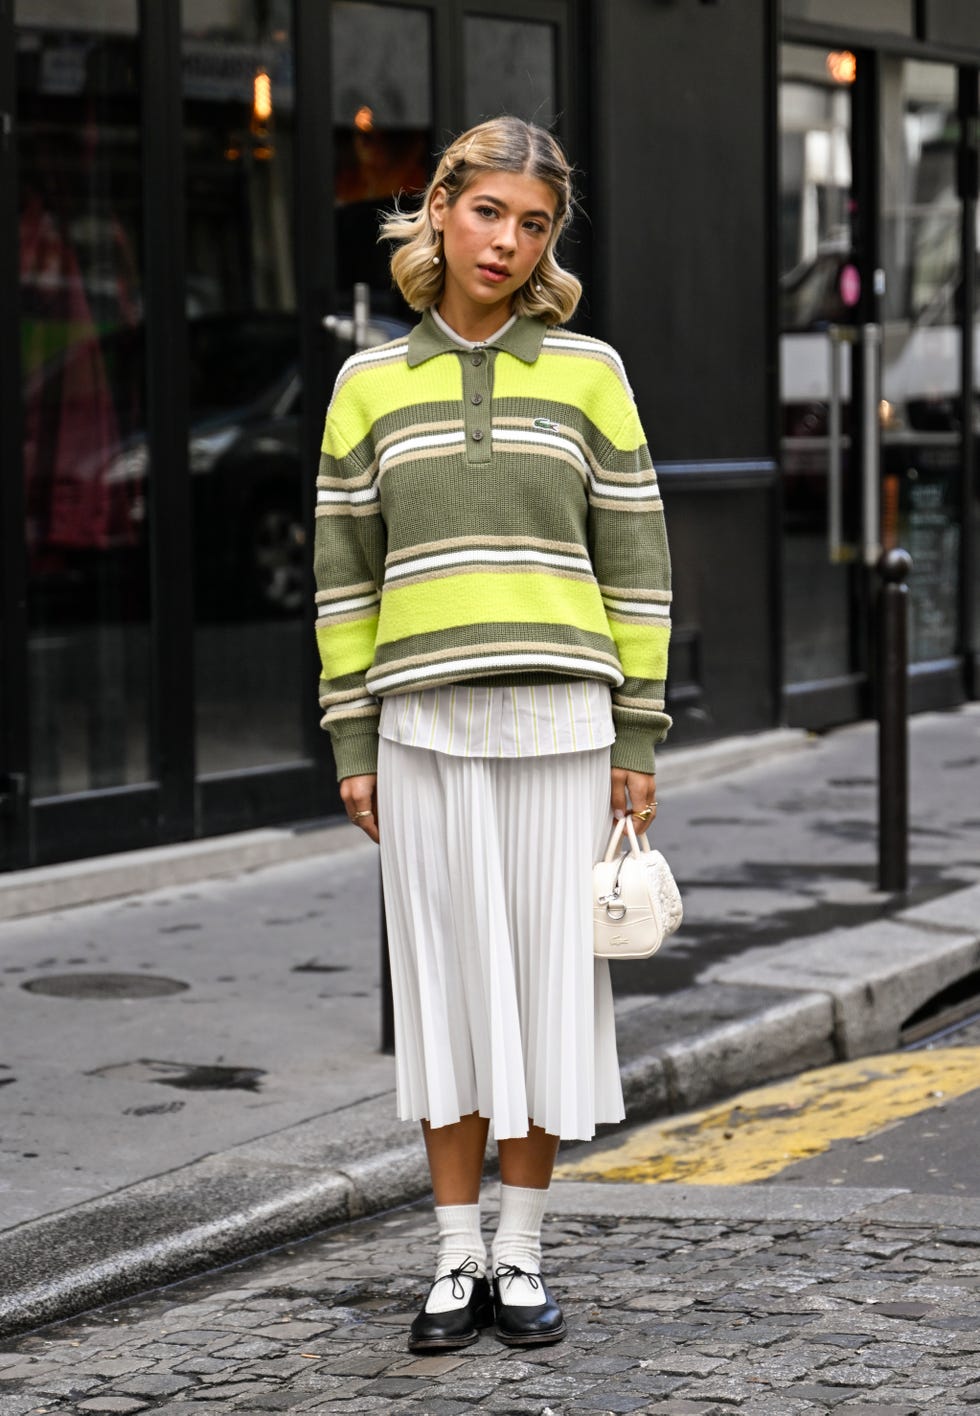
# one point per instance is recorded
(504, 144)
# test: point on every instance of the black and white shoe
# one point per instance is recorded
(456, 1327)
(526, 1325)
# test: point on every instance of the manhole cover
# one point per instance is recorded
(104, 985)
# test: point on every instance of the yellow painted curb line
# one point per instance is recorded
(761, 1132)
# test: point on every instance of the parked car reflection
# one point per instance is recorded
(245, 401)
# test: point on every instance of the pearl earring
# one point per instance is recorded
(539, 288)
(435, 260)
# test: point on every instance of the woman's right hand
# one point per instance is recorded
(360, 794)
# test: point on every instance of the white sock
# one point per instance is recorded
(518, 1242)
(460, 1244)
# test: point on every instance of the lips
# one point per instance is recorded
(494, 271)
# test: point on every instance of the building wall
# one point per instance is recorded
(681, 177)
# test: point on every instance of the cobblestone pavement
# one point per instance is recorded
(683, 1316)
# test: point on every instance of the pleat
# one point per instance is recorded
(500, 1004)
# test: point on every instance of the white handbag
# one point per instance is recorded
(636, 902)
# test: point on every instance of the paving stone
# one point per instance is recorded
(122, 1405)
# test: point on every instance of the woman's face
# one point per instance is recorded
(493, 236)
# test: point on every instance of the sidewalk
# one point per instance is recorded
(218, 1089)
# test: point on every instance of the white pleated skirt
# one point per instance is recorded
(500, 1004)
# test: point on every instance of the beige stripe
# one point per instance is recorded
(371, 508)
(333, 714)
(639, 704)
(662, 597)
(521, 646)
(421, 454)
(343, 695)
(458, 543)
(343, 484)
(621, 505)
(363, 587)
(652, 621)
(636, 477)
(365, 612)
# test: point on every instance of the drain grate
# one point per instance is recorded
(101, 986)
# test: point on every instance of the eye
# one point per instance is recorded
(486, 211)
(536, 226)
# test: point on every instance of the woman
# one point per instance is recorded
(493, 616)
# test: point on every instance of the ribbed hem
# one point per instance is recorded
(633, 749)
(355, 747)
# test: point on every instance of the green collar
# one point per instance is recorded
(523, 339)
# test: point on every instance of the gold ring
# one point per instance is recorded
(358, 814)
(645, 815)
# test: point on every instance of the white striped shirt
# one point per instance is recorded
(525, 720)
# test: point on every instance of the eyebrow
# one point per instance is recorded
(495, 201)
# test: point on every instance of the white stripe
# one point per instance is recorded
(523, 435)
(368, 494)
(380, 682)
(337, 607)
(648, 492)
(471, 557)
(423, 440)
(638, 607)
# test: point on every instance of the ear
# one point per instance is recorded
(437, 208)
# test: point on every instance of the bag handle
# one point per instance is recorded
(625, 824)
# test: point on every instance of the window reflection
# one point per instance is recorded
(510, 68)
(84, 397)
(243, 382)
(383, 139)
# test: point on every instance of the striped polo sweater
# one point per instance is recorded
(488, 515)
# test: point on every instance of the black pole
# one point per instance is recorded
(893, 727)
(387, 1001)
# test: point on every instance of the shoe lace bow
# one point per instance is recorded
(469, 1269)
(512, 1271)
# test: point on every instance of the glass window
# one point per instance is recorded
(816, 280)
(921, 410)
(243, 382)
(509, 68)
(897, 16)
(84, 451)
(383, 143)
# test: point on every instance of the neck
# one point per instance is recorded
(474, 323)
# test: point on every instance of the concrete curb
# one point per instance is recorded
(701, 1044)
(85, 882)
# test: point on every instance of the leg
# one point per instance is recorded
(528, 1160)
(527, 1315)
(458, 1303)
(456, 1159)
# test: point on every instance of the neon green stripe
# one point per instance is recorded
(347, 648)
(371, 394)
(642, 649)
(490, 599)
(585, 384)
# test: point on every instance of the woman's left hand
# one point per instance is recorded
(635, 792)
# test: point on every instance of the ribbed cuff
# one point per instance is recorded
(633, 749)
(355, 747)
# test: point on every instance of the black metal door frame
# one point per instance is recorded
(177, 804)
(823, 704)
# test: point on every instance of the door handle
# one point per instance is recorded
(871, 445)
(356, 329)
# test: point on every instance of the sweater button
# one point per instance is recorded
(476, 398)
(477, 434)
(476, 360)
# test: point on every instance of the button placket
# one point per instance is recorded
(477, 403)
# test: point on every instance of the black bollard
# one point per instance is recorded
(893, 725)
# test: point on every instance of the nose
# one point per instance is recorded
(505, 236)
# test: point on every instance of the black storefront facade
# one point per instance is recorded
(780, 238)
